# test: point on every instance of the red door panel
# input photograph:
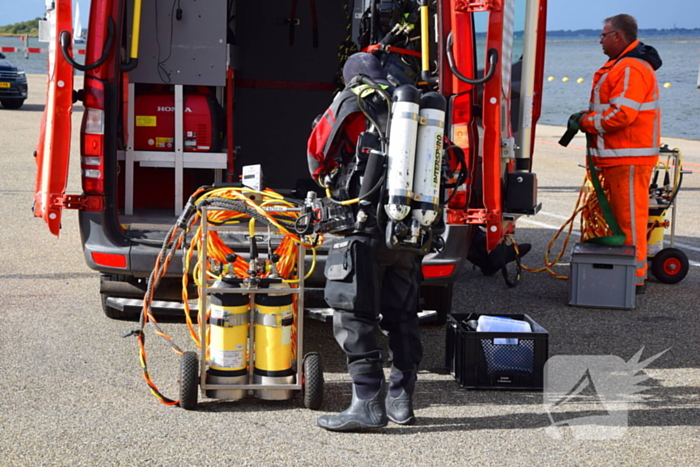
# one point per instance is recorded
(53, 149)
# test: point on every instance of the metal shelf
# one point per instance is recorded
(177, 159)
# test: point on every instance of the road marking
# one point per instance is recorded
(551, 214)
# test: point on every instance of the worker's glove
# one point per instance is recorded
(571, 129)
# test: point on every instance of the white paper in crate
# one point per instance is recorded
(500, 324)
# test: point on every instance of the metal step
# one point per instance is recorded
(168, 308)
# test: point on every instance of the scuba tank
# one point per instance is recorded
(426, 180)
(274, 318)
(228, 339)
(403, 132)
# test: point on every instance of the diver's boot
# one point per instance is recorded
(399, 400)
(400, 409)
(361, 415)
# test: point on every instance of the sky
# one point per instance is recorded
(562, 14)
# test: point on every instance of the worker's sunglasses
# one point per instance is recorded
(602, 36)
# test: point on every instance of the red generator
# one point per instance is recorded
(154, 126)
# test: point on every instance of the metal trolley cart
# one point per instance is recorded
(669, 265)
(249, 346)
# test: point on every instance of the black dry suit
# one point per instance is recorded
(368, 285)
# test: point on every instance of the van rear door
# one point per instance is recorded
(53, 150)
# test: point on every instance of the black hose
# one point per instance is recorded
(242, 207)
(65, 40)
(492, 56)
(462, 173)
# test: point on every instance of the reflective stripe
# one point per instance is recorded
(632, 104)
(597, 121)
(611, 114)
(657, 110)
(626, 84)
(627, 152)
(596, 103)
(633, 214)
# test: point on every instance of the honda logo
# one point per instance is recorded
(171, 109)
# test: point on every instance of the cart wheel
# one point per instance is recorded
(670, 265)
(189, 374)
(312, 382)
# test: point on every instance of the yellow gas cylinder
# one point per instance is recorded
(656, 239)
(657, 224)
(228, 340)
(274, 319)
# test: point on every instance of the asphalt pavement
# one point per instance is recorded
(71, 392)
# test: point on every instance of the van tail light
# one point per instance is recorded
(92, 143)
(461, 117)
(438, 270)
(112, 260)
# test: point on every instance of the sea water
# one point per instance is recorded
(680, 103)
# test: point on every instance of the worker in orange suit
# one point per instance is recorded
(624, 122)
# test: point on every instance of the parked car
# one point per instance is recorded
(13, 84)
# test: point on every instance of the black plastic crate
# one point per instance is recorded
(478, 361)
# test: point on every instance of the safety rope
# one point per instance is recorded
(592, 225)
(592, 220)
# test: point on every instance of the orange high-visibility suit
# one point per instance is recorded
(625, 127)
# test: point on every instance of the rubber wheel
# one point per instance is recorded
(189, 378)
(312, 383)
(438, 298)
(670, 265)
(12, 104)
(114, 313)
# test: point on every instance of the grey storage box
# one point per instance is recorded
(602, 276)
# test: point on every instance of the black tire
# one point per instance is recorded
(12, 104)
(438, 298)
(189, 379)
(114, 313)
(670, 265)
(312, 386)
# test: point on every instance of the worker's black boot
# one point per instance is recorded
(491, 263)
(499, 257)
(399, 400)
(361, 415)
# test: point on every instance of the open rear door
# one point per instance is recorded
(53, 150)
(498, 143)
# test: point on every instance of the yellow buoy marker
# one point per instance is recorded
(565, 79)
(551, 78)
(667, 85)
(580, 80)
